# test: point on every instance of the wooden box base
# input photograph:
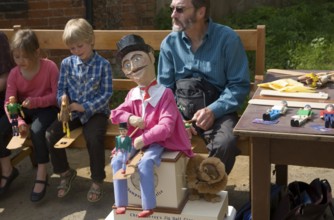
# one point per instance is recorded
(170, 182)
(193, 210)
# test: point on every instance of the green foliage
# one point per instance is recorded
(298, 36)
(319, 55)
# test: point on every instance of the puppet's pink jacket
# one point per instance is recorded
(163, 121)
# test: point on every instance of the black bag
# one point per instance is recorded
(297, 201)
(277, 195)
(310, 201)
(193, 94)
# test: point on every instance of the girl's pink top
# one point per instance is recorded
(163, 121)
(41, 90)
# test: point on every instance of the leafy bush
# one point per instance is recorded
(299, 36)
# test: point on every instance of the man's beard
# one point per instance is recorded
(183, 26)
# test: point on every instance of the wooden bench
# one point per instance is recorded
(252, 39)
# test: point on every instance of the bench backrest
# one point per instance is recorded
(252, 39)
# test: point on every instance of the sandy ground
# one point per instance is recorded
(16, 203)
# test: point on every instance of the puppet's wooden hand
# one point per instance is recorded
(136, 121)
(139, 143)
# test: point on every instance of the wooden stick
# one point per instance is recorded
(293, 72)
(305, 95)
(134, 132)
(314, 105)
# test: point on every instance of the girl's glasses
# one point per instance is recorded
(179, 10)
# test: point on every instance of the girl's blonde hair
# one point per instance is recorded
(27, 41)
(76, 30)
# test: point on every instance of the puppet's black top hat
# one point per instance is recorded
(123, 125)
(131, 43)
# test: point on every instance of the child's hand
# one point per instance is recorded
(76, 107)
(23, 130)
(136, 121)
(139, 143)
(26, 103)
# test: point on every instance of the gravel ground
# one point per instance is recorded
(16, 203)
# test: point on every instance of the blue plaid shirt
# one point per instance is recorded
(221, 59)
(89, 84)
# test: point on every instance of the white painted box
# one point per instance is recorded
(170, 182)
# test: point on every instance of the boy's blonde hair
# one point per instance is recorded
(27, 41)
(76, 30)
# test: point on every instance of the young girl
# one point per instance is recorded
(34, 84)
(6, 64)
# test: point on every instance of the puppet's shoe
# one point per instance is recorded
(145, 213)
(120, 210)
(123, 172)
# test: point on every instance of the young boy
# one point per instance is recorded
(86, 78)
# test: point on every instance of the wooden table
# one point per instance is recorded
(283, 145)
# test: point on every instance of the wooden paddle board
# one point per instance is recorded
(16, 142)
(67, 141)
(130, 168)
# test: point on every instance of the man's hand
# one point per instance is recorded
(136, 121)
(139, 143)
(204, 118)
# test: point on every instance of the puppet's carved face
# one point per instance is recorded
(139, 67)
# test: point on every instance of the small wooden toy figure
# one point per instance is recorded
(123, 144)
(14, 109)
(302, 116)
(328, 116)
(65, 114)
(276, 111)
(316, 80)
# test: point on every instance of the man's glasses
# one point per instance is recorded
(179, 10)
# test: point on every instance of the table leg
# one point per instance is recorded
(260, 178)
(281, 174)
